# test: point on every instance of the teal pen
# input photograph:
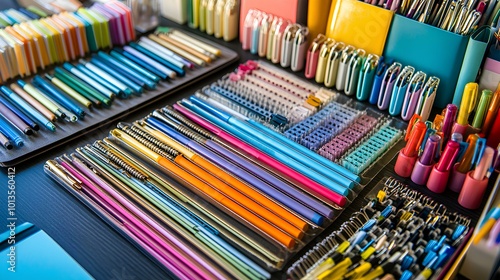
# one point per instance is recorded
(162, 52)
(269, 150)
(7, 129)
(134, 66)
(27, 108)
(99, 79)
(137, 89)
(125, 91)
(188, 220)
(93, 83)
(129, 71)
(336, 173)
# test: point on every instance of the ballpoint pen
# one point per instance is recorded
(491, 113)
(15, 120)
(476, 182)
(162, 43)
(95, 97)
(19, 113)
(212, 168)
(467, 105)
(409, 154)
(98, 63)
(171, 64)
(44, 101)
(424, 164)
(209, 190)
(309, 183)
(438, 178)
(69, 91)
(143, 59)
(5, 142)
(212, 142)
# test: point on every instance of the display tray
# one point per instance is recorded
(45, 140)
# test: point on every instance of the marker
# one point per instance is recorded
(474, 149)
(5, 142)
(449, 119)
(424, 164)
(10, 132)
(134, 66)
(125, 70)
(99, 79)
(148, 67)
(58, 96)
(137, 89)
(407, 157)
(178, 70)
(467, 105)
(492, 113)
(81, 87)
(125, 91)
(136, 56)
(31, 90)
(482, 109)
(438, 179)
(93, 83)
(19, 113)
(69, 91)
(27, 108)
(15, 120)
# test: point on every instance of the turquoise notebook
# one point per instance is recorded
(31, 254)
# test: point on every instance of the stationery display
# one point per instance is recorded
(228, 179)
(57, 105)
(275, 38)
(400, 90)
(215, 17)
(399, 234)
(450, 152)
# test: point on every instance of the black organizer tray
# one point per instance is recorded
(45, 140)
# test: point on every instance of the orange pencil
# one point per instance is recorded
(263, 225)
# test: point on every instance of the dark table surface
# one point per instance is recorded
(99, 249)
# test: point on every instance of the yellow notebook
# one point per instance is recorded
(359, 24)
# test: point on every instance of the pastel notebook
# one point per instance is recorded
(36, 256)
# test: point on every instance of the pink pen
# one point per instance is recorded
(306, 183)
(476, 182)
(438, 178)
(449, 119)
(141, 215)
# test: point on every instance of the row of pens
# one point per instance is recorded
(211, 189)
(73, 91)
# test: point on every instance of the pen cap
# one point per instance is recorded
(437, 180)
(421, 173)
(404, 164)
(472, 191)
(457, 179)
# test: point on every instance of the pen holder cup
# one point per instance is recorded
(438, 180)
(430, 49)
(457, 179)
(420, 173)
(359, 24)
(472, 192)
(293, 10)
(404, 165)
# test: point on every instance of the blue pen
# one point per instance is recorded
(134, 66)
(27, 108)
(10, 132)
(135, 87)
(170, 65)
(124, 90)
(100, 80)
(20, 114)
(142, 63)
(58, 96)
(291, 162)
(130, 72)
(300, 153)
(97, 86)
(147, 62)
(249, 178)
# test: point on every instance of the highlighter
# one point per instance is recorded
(492, 113)
(466, 107)
(424, 164)
(438, 178)
(409, 154)
(461, 168)
(475, 184)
